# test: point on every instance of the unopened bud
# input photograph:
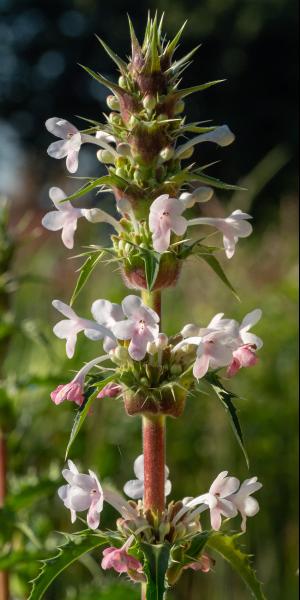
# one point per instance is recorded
(133, 122)
(106, 157)
(179, 107)
(144, 381)
(162, 117)
(115, 119)
(119, 355)
(164, 529)
(187, 153)
(166, 154)
(123, 149)
(176, 370)
(127, 248)
(149, 102)
(122, 82)
(113, 102)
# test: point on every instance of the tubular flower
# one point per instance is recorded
(233, 227)
(140, 327)
(73, 391)
(82, 492)
(135, 487)
(71, 140)
(111, 390)
(246, 505)
(222, 343)
(119, 560)
(222, 136)
(69, 144)
(165, 217)
(107, 313)
(201, 194)
(205, 564)
(69, 328)
(65, 217)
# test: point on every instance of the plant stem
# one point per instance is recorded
(154, 463)
(153, 300)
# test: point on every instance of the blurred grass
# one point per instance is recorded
(201, 443)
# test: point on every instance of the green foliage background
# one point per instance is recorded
(264, 271)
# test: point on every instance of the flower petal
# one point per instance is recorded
(53, 220)
(60, 127)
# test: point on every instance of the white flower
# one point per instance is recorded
(222, 136)
(135, 487)
(165, 217)
(82, 492)
(242, 499)
(71, 140)
(96, 215)
(107, 313)
(222, 343)
(233, 227)
(69, 328)
(140, 327)
(65, 217)
(69, 144)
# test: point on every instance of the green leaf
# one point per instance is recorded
(11, 559)
(151, 261)
(119, 62)
(171, 46)
(182, 61)
(226, 546)
(85, 272)
(196, 88)
(88, 187)
(217, 183)
(83, 411)
(109, 84)
(156, 564)
(76, 546)
(206, 253)
(197, 546)
(226, 398)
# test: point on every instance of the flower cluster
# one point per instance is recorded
(226, 497)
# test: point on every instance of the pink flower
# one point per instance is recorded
(73, 391)
(242, 357)
(233, 227)
(83, 492)
(246, 505)
(119, 560)
(111, 390)
(204, 563)
(218, 499)
(69, 328)
(165, 216)
(140, 327)
(107, 313)
(65, 217)
(69, 144)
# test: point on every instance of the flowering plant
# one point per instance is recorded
(152, 373)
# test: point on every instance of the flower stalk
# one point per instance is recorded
(154, 440)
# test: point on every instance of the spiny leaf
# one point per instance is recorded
(226, 546)
(134, 41)
(88, 187)
(181, 62)
(119, 62)
(85, 272)
(196, 88)
(156, 564)
(206, 254)
(151, 261)
(171, 47)
(227, 398)
(76, 546)
(83, 411)
(217, 183)
(109, 84)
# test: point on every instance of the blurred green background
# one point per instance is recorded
(252, 44)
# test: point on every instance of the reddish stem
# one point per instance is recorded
(4, 593)
(154, 463)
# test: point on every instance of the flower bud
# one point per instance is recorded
(149, 102)
(176, 370)
(122, 81)
(202, 194)
(106, 157)
(113, 102)
(179, 107)
(164, 529)
(119, 355)
(123, 149)
(187, 154)
(162, 117)
(133, 122)
(166, 153)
